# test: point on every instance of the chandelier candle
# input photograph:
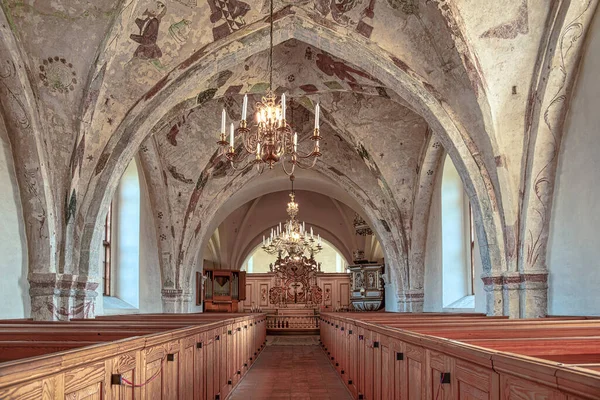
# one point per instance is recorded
(223, 121)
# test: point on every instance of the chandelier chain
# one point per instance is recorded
(271, 49)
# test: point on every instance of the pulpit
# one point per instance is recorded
(367, 287)
(223, 290)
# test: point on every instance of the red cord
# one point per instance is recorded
(162, 363)
(437, 396)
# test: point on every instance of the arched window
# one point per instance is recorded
(458, 241)
(122, 244)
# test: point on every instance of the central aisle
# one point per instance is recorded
(291, 367)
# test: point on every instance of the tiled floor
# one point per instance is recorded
(292, 371)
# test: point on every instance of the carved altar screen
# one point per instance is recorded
(295, 283)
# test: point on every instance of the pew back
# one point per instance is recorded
(190, 356)
(440, 356)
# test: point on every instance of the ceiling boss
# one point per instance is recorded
(271, 139)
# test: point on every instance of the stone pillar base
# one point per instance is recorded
(60, 297)
(517, 295)
(534, 294)
(493, 294)
(411, 300)
(510, 294)
(176, 301)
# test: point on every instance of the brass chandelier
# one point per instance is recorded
(272, 139)
(291, 240)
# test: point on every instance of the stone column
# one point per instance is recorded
(561, 59)
(172, 300)
(493, 293)
(534, 294)
(410, 300)
(187, 301)
(510, 294)
(59, 297)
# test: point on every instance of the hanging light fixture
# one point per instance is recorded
(292, 239)
(272, 139)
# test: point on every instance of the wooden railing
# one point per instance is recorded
(387, 356)
(292, 322)
(159, 356)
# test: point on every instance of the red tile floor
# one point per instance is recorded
(291, 368)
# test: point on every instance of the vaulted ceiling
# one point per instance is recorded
(86, 85)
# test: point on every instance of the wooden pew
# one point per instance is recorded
(177, 357)
(424, 356)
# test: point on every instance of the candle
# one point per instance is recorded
(231, 133)
(283, 105)
(311, 232)
(317, 114)
(245, 107)
(223, 119)
(295, 141)
(303, 226)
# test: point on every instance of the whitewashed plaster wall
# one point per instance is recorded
(150, 277)
(14, 288)
(434, 281)
(433, 251)
(574, 244)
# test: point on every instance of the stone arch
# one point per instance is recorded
(431, 156)
(421, 96)
(218, 212)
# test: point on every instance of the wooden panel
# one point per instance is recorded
(264, 295)
(327, 294)
(83, 378)
(31, 391)
(187, 371)
(474, 382)
(123, 392)
(513, 388)
(153, 375)
(249, 295)
(91, 392)
(344, 294)
(387, 371)
(414, 372)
